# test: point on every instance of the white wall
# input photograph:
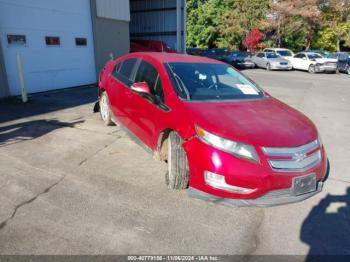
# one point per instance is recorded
(48, 67)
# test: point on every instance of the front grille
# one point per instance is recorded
(294, 159)
(283, 63)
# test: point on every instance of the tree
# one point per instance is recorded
(298, 14)
(204, 18)
(240, 18)
(253, 39)
(293, 33)
(336, 24)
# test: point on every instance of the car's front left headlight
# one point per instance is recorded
(238, 149)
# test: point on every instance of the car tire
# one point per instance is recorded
(311, 69)
(177, 175)
(105, 111)
(268, 67)
(348, 70)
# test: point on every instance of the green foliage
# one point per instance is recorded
(225, 23)
(293, 34)
(204, 18)
(239, 19)
(325, 40)
(336, 29)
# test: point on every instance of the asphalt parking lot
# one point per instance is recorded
(70, 185)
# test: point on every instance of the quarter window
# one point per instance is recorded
(125, 71)
(116, 70)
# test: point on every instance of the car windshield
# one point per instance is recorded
(314, 56)
(271, 55)
(202, 81)
(284, 53)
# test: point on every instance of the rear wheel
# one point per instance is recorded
(105, 110)
(311, 69)
(177, 175)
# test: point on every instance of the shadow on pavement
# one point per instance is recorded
(16, 133)
(12, 108)
(327, 229)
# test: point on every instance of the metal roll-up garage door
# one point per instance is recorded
(54, 40)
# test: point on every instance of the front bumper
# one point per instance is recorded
(281, 67)
(325, 68)
(268, 186)
(245, 65)
(273, 198)
(329, 68)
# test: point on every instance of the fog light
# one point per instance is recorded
(218, 181)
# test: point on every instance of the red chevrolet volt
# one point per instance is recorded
(221, 135)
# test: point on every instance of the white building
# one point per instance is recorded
(65, 43)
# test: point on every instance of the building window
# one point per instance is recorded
(52, 40)
(80, 41)
(16, 39)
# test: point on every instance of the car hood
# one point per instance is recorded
(325, 60)
(264, 122)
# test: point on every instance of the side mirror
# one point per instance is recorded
(141, 88)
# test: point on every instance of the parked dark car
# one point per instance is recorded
(194, 51)
(217, 54)
(343, 61)
(240, 60)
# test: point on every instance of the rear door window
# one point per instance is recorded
(125, 72)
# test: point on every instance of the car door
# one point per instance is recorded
(298, 61)
(147, 111)
(306, 62)
(119, 90)
(259, 59)
(263, 60)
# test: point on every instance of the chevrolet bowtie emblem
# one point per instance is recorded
(298, 157)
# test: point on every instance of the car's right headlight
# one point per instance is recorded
(236, 148)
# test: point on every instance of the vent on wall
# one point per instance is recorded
(52, 40)
(16, 40)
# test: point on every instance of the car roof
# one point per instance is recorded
(172, 57)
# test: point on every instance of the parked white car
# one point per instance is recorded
(313, 63)
(282, 52)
